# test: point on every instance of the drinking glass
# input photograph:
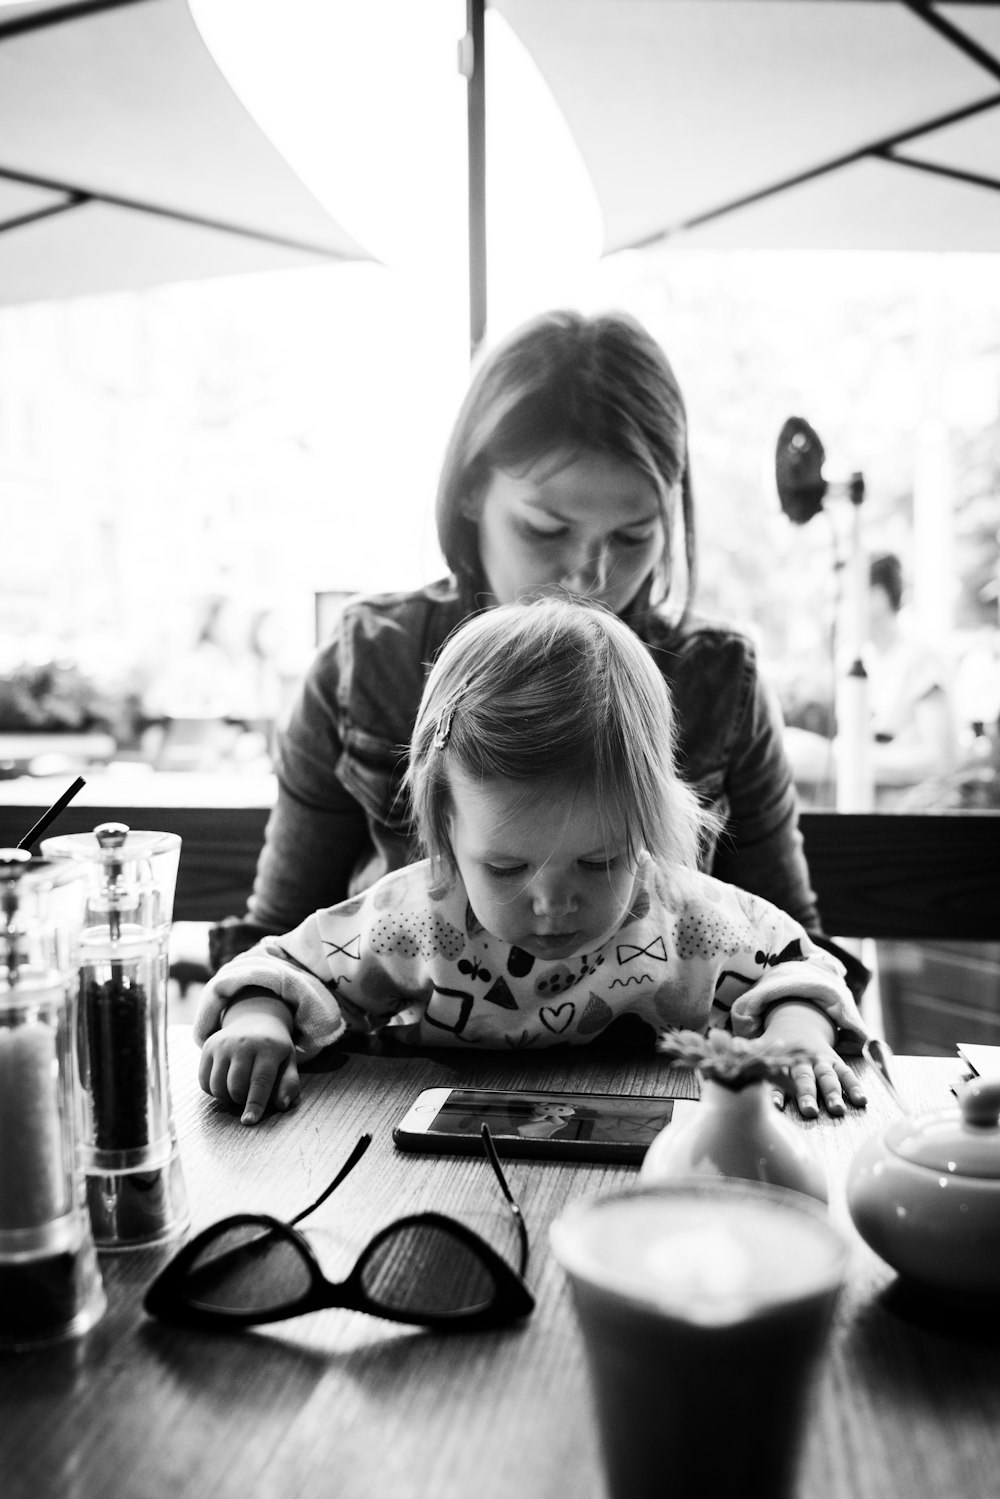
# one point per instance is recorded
(704, 1305)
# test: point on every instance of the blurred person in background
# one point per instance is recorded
(913, 732)
(216, 698)
(909, 689)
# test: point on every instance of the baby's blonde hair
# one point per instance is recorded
(560, 696)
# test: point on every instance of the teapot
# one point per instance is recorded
(925, 1195)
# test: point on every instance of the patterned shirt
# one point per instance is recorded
(412, 956)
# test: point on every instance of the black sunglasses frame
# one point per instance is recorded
(167, 1300)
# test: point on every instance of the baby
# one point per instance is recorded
(560, 891)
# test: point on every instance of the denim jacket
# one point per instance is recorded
(340, 821)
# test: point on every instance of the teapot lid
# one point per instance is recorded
(957, 1142)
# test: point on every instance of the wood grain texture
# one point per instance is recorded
(343, 1404)
(896, 874)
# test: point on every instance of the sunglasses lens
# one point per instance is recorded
(422, 1270)
(247, 1268)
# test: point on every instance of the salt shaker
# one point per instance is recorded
(134, 1181)
(50, 1283)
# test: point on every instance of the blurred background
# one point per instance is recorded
(184, 469)
(195, 470)
(207, 444)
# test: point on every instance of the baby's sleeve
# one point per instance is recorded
(811, 979)
(352, 966)
(317, 1020)
(794, 968)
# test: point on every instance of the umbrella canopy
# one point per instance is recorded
(784, 124)
(127, 161)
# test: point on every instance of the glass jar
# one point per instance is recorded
(50, 1283)
(134, 1181)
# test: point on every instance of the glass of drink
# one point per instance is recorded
(704, 1306)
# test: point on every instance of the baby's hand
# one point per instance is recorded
(827, 1076)
(252, 1058)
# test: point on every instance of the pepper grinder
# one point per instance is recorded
(50, 1283)
(134, 1181)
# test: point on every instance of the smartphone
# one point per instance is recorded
(549, 1126)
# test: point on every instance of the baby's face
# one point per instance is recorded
(545, 875)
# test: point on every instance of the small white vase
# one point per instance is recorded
(736, 1132)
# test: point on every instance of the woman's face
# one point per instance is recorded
(591, 526)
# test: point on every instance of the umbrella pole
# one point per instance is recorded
(854, 768)
(473, 67)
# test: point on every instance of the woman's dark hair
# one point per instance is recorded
(569, 384)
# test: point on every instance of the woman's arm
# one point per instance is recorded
(340, 821)
(307, 858)
(317, 831)
(762, 849)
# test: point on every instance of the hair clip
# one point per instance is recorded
(443, 730)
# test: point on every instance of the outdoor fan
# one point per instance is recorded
(802, 491)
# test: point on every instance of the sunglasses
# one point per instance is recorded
(426, 1269)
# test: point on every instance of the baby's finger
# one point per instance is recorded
(205, 1068)
(259, 1089)
(829, 1086)
(286, 1089)
(804, 1083)
(218, 1073)
(851, 1084)
(239, 1076)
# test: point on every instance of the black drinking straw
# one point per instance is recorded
(50, 816)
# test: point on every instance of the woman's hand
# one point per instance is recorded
(251, 1060)
(828, 1077)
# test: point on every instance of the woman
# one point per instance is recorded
(567, 471)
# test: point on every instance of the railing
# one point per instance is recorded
(916, 875)
(881, 874)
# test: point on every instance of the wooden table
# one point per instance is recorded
(341, 1404)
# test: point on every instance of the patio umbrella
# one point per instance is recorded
(127, 161)
(786, 124)
(779, 124)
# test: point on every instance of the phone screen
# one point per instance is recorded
(594, 1126)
